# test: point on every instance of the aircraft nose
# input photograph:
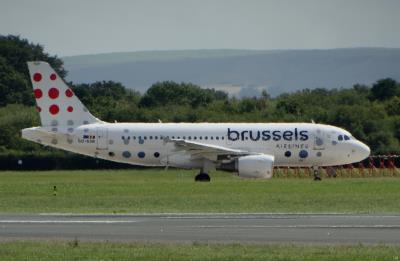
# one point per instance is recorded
(363, 150)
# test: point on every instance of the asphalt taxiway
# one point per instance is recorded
(224, 228)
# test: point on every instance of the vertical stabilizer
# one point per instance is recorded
(56, 103)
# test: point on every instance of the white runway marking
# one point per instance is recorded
(224, 215)
(301, 226)
(67, 221)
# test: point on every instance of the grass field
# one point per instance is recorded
(59, 250)
(155, 191)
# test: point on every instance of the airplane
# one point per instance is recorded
(251, 150)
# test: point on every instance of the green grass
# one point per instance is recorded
(155, 191)
(60, 250)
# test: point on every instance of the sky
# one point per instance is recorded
(75, 27)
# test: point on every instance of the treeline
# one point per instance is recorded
(370, 113)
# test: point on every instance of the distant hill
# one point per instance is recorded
(240, 72)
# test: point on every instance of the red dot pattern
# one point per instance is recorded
(37, 77)
(69, 93)
(38, 93)
(53, 93)
(54, 109)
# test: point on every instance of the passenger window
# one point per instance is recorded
(340, 138)
(346, 137)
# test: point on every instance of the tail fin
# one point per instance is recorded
(56, 103)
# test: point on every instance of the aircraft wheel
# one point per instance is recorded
(317, 176)
(202, 177)
(317, 179)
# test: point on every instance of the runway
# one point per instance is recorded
(223, 228)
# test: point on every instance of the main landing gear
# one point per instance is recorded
(317, 174)
(202, 177)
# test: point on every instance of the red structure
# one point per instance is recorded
(361, 168)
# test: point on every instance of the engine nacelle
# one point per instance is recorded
(253, 166)
(256, 166)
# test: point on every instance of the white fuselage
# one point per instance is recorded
(250, 149)
(292, 144)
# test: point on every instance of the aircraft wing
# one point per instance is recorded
(211, 152)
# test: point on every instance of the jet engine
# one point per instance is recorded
(252, 166)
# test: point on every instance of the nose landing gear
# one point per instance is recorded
(317, 173)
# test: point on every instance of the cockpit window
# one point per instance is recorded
(340, 137)
(346, 137)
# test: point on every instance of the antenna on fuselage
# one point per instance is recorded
(312, 121)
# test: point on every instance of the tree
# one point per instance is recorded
(18, 51)
(393, 106)
(109, 100)
(290, 104)
(15, 86)
(164, 93)
(384, 89)
(13, 118)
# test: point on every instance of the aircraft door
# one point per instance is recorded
(102, 138)
(319, 140)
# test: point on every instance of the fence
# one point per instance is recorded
(374, 166)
